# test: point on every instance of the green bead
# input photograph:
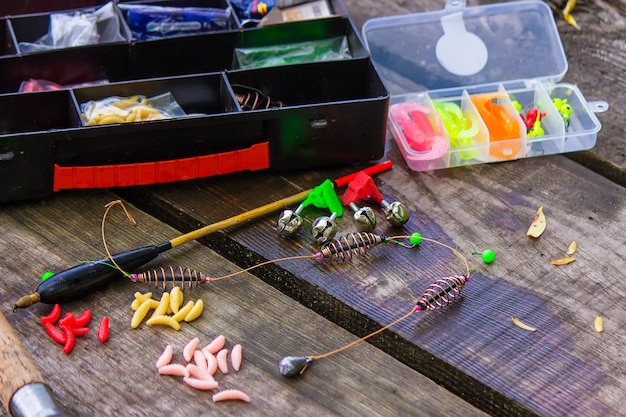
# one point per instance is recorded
(415, 239)
(46, 275)
(488, 256)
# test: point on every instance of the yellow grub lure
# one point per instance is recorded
(522, 325)
(567, 13)
(599, 326)
(183, 312)
(165, 320)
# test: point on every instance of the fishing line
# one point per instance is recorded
(341, 249)
(438, 295)
(108, 207)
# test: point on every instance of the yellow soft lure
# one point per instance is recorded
(569, 6)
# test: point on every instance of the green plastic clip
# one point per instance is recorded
(324, 196)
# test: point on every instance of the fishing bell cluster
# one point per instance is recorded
(324, 228)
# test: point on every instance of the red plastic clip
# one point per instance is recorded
(362, 187)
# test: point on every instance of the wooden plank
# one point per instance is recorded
(596, 59)
(565, 368)
(119, 376)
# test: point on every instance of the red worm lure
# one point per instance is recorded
(54, 332)
(103, 330)
(69, 339)
(70, 326)
(80, 331)
(67, 320)
(54, 315)
(83, 319)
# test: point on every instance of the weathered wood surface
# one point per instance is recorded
(472, 349)
(119, 377)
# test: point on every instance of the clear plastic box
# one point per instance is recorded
(479, 84)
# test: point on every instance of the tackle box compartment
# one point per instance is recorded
(479, 84)
(326, 112)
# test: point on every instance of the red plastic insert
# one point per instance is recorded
(253, 158)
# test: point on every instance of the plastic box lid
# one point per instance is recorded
(461, 46)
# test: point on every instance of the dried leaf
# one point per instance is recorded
(562, 261)
(572, 248)
(538, 225)
(598, 324)
(521, 325)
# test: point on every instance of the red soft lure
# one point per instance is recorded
(70, 338)
(53, 316)
(54, 332)
(103, 329)
(68, 320)
(70, 326)
(80, 331)
(83, 319)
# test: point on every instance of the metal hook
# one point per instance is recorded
(404, 244)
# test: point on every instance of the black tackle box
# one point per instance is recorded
(327, 112)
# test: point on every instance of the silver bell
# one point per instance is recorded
(288, 223)
(324, 228)
(395, 213)
(364, 218)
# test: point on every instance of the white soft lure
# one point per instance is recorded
(231, 394)
(202, 365)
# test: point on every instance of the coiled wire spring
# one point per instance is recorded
(353, 244)
(254, 100)
(175, 275)
(441, 293)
